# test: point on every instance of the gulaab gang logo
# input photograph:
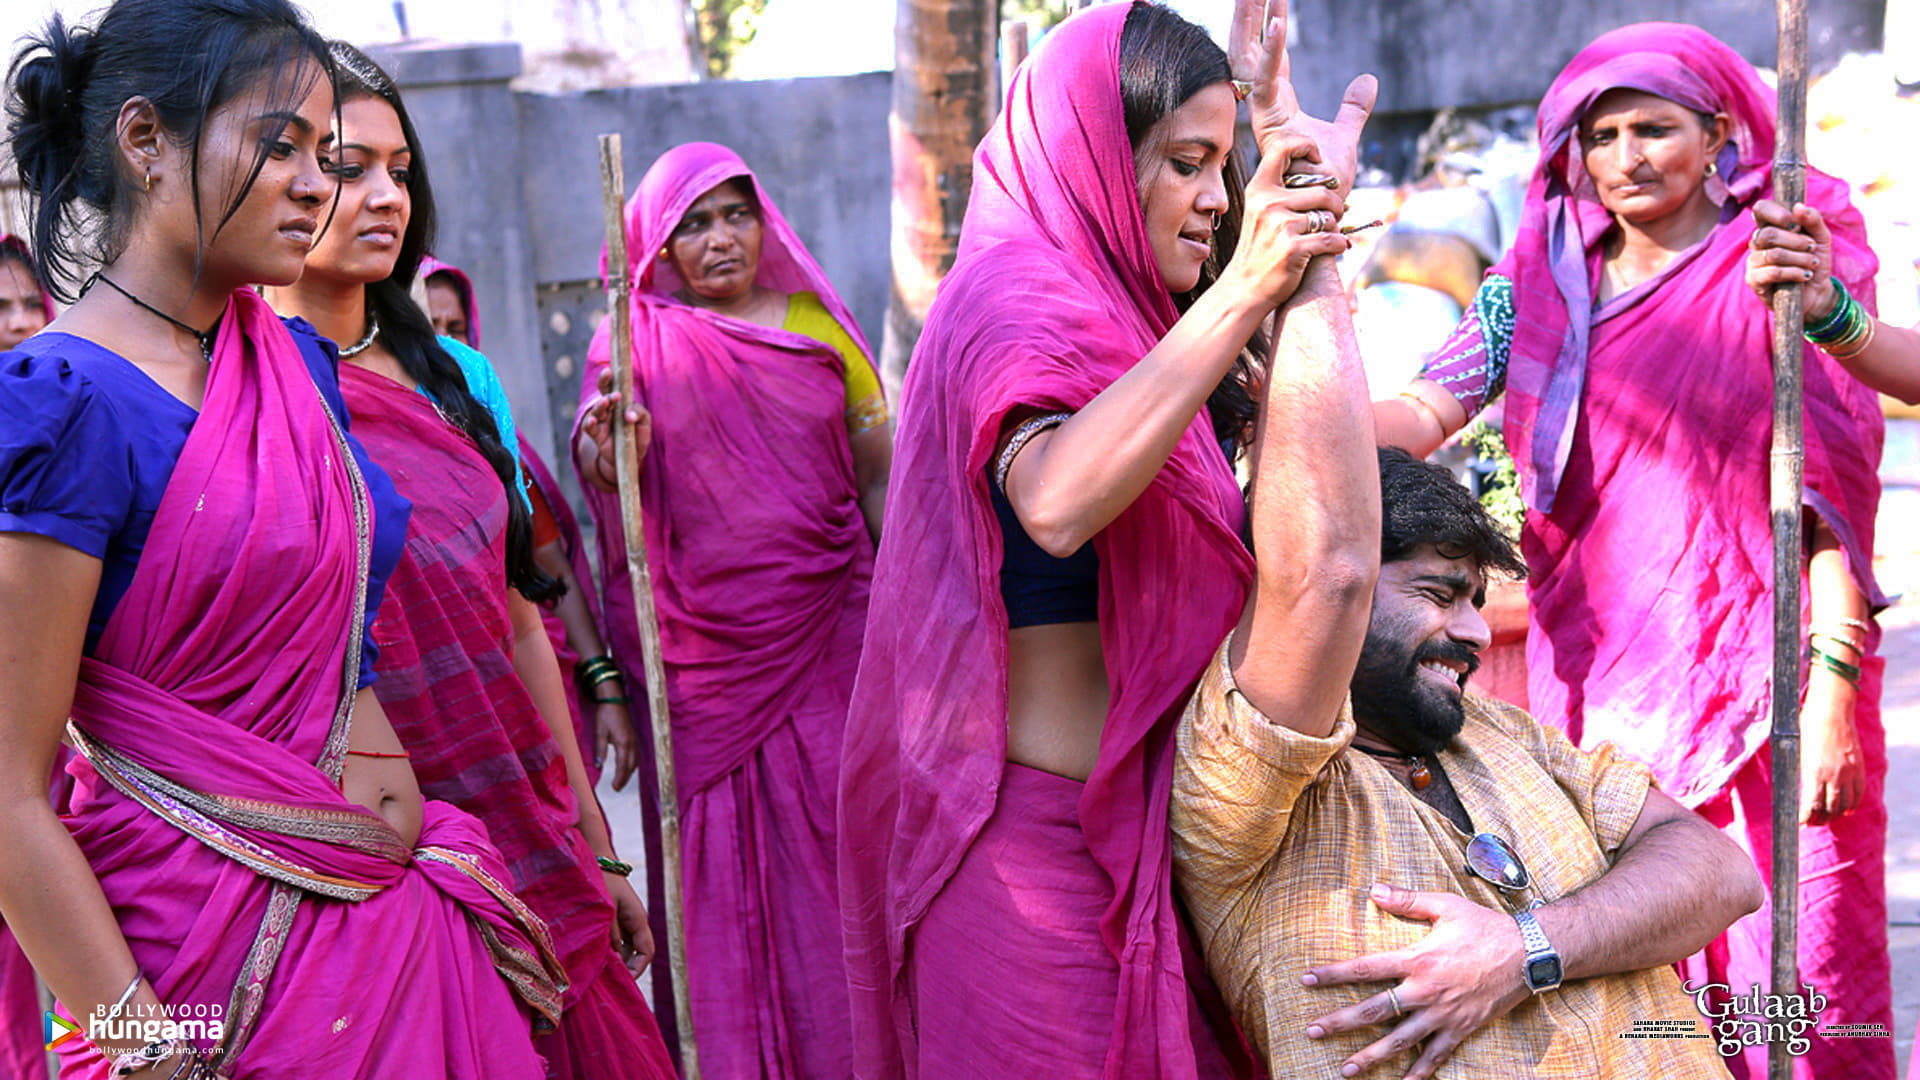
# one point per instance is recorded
(1755, 1018)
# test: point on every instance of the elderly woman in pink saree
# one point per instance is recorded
(761, 485)
(1636, 368)
(1064, 544)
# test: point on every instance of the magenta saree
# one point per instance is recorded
(1054, 295)
(212, 721)
(760, 561)
(477, 741)
(1641, 429)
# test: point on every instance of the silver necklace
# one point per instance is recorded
(358, 347)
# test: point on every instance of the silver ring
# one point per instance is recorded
(1296, 181)
(1319, 221)
(1393, 999)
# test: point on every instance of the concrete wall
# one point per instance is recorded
(1433, 53)
(516, 180)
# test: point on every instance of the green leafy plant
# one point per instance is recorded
(1501, 494)
(725, 27)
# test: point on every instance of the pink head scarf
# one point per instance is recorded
(462, 284)
(18, 246)
(1054, 295)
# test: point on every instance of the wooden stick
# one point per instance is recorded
(1789, 188)
(613, 188)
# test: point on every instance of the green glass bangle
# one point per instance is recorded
(1826, 331)
(614, 866)
(620, 699)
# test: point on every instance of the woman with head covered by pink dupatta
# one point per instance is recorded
(766, 448)
(1064, 551)
(1639, 392)
(192, 551)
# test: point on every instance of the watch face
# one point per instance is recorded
(1543, 971)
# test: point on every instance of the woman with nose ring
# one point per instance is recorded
(1637, 372)
(765, 448)
(466, 671)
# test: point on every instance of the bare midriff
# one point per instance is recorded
(1057, 697)
(384, 785)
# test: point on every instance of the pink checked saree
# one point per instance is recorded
(1641, 428)
(212, 723)
(1054, 295)
(760, 560)
(477, 741)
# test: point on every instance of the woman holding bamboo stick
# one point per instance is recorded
(1637, 373)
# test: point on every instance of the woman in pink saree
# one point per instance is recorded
(192, 547)
(1063, 551)
(467, 675)
(761, 485)
(1639, 395)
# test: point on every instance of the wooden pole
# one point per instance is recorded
(1789, 188)
(613, 188)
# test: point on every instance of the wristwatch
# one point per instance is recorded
(1542, 967)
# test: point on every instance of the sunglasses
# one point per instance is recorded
(1491, 859)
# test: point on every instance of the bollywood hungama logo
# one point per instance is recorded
(144, 1025)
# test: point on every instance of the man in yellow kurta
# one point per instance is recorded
(1384, 870)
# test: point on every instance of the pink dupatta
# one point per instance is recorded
(1054, 295)
(1641, 429)
(216, 710)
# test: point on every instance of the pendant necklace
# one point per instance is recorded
(1421, 776)
(204, 337)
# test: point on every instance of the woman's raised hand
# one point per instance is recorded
(1257, 54)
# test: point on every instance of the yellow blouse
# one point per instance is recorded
(808, 317)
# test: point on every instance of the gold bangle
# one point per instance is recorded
(1866, 340)
(1427, 405)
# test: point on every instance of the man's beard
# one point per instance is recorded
(1395, 704)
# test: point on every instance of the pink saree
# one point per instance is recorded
(541, 478)
(1054, 295)
(1641, 429)
(760, 561)
(477, 741)
(212, 724)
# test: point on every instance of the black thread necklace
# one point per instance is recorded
(1421, 776)
(204, 337)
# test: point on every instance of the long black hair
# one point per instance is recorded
(187, 57)
(408, 332)
(1164, 60)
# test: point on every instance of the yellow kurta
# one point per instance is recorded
(1278, 837)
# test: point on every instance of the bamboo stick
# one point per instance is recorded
(613, 187)
(1787, 463)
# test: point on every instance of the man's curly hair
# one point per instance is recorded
(1421, 503)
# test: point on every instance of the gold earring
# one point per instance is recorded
(1713, 167)
(149, 185)
(663, 254)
